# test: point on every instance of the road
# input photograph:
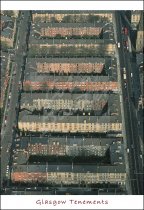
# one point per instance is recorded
(62, 190)
(131, 123)
(7, 135)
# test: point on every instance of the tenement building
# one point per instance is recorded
(26, 146)
(34, 82)
(69, 130)
(67, 30)
(69, 174)
(70, 47)
(66, 124)
(68, 65)
(71, 16)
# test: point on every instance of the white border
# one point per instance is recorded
(55, 202)
(29, 202)
(72, 5)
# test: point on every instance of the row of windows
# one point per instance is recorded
(77, 176)
(91, 86)
(69, 67)
(61, 127)
(70, 31)
(65, 147)
(108, 47)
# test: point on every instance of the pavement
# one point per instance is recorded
(8, 131)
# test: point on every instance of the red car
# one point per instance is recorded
(125, 31)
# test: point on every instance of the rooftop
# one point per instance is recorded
(70, 11)
(24, 116)
(69, 168)
(3, 62)
(5, 18)
(32, 66)
(53, 42)
(135, 12)
(7, 26)
(35, 77)
(139, 58)
(31, 62)
(71, 146)
(69, 141)
(3, 66)
(117, 152)
(7, 33)
(30, 97)
(28, 100)
(140, 25)
(67, 25)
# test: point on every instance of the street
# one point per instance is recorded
(131, 122)
(8, 132)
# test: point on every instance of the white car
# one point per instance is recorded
(10, 95)
(118, 45)
(127, 150)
